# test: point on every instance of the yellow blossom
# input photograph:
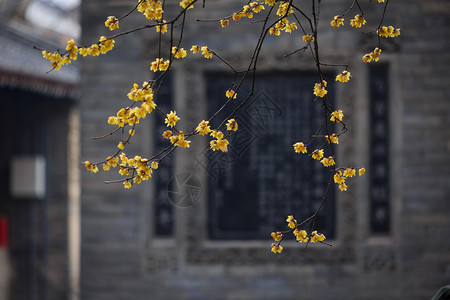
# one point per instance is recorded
(301, 235)
(91, 167)
(219, 144)
(112, 23)
(232, 125)
(179, 53)
(159, 65)
(344, 76)
(276, 248)
(332, 139)
(131, 132)
(367, 58)
(328, 162)
(349, 172)
(167, 134)
(181, 142)
(285, 8)
(274, 31)
(277, 236)
(121, 145)
(162, 27)
(292, 223)
(127, 184)
(203, 128)
(186, 4)
(224, 22)
(338, 177)
(388, 32)
(316, 237)
(231, 94)
(336, 116)
(171, 119)
(217, 134)
(317, 154)
(307, 38)
(358, 21)
(299, 147)
(319, 89)
(154, 165)
(206, 52)
(342, 186)
(375, 55)
(236, 17)
(361, 171)
(337, 21)
(195, 49)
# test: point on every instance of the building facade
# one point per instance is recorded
(200, 228)
(39, 152)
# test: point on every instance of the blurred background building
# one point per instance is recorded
(37, 109)
(200, 228)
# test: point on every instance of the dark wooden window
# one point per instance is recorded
(163, 208)
(261, 180)
(379, 145)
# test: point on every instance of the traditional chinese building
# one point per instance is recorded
(200, 228)
(39, 148)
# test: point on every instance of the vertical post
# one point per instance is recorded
(74, 234)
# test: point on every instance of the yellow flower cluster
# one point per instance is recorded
(317, 154)
(57, 60)
(374, 55)
(328, 162)
(337, 116)
(284, 9)
(171, 119)
(247, 11)
(388, 32)
(151, 9)
(195, 49)
(232, 125)
(337, 21)
(103, 46)
(162, 27)
(319, 89)
(344, 76)
(358, 21)
(224, 22)
(277, 236)
(299, 147)
(205, 51)
(91, 167)
(340, 177)
(203, 128)
(231, 94)
(179, 141)
(276, 248)
(112, 23)
(186, 4)
(220, 143)
(281, 25)
(332, 139)
(179, 53)
(307, 38)
(159, 65)
(132, 116)
(139, 168)
(301, 235)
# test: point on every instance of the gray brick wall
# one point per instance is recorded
(122, 259)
